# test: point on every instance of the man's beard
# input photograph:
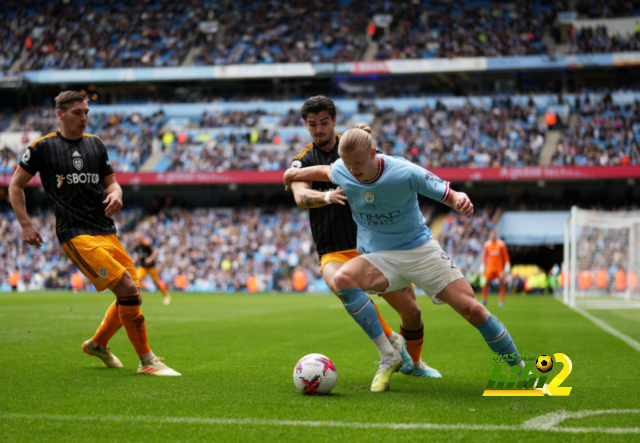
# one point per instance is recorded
(323, 143)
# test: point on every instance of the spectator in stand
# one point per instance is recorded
(101, 34)
(605, 134)
(463, 137)
(444, 31)
(597, 40)
(272, 32)
(607, 8)
(463, 238)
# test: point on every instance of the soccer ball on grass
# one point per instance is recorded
(315, 374)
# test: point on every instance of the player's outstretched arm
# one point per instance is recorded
(30, 234)
(459, 202)
(310, 174)
(310, 198)
(114, 195)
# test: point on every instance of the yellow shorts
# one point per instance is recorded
(340, 257)
(101, 258)
(152, 272)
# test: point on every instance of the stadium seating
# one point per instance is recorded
(600, 40)
(467, 29)
(469, 136)
(604, 134)
(239, 244)
(463, 238)
(263, 32)
(263, 243)
(607, 8)
(498, 131)
(97, 34)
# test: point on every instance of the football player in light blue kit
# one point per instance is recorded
(398, 248)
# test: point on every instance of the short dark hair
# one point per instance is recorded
(318, 104)
(65, 98)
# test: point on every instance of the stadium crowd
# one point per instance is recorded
(275, 32)
(232, 156)
(599, 40)
(604, 134)
(447, 30)
(468, 136)
(215, 249)
(463, 239)
(98, 34)
(608, 8)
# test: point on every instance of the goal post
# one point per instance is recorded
(601, 258)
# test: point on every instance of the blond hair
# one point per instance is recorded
(360, 136)
(65, 98)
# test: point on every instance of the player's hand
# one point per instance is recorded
(288, 178)
(338, 196)
(31, 236)
(113, 202)
(147, 260)
(463, 205)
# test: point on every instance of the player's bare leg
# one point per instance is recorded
(351, 281)
(502, 290)
(460, 297)
(397, 341)
(412, 330)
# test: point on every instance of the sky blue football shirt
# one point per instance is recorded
(386, 209)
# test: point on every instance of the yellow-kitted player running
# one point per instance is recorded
(146, 256)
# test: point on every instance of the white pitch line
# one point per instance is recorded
(625, 338)
(316, 424)
(553, 419)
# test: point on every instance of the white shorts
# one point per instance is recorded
(428, 266)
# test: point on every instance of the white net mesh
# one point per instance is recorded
(603, 258)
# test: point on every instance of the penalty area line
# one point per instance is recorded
(316, 424)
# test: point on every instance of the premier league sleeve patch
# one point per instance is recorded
(26, 157)
(297, 164)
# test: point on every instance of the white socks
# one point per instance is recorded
(384, 346)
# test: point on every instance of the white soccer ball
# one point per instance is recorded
(315, 374)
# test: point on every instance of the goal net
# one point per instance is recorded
(602, 259)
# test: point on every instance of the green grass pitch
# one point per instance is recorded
(237, 354)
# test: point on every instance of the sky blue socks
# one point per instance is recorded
(498, 338)
(362, 310)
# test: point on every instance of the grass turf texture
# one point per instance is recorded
(237, 354)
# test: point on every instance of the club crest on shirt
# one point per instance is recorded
(369, 197)
(77, 162)
(103, 273)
